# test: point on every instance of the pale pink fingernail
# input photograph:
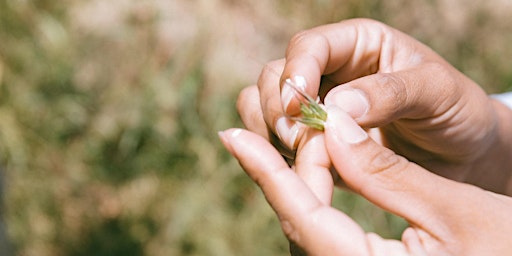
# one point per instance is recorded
(236, 133)
(300, 82)
(287, 131)
(352, 101)
(225, 141)
(288, 93)
(344, 127)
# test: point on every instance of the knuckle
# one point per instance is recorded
(289, 230)
(308, 38)
(306, 45)
(387, 164)
(447, 79)
(245, 97)
(299, 37)
(394, 90)
(271, 72)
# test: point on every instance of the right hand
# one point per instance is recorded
(445, 217)
(423, 108)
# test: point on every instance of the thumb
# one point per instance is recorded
(376, 99)
(388, 180)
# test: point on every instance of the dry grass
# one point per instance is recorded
(109, 112)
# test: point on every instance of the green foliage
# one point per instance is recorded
(109, 113)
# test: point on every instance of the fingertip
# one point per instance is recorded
(287, 131)
(342, 128)
(412, 242)
(236, 132)
(353, 101)
(225, 141)
(226, 136)
(294, 90)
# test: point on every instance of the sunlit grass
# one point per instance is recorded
(109, 113)
(312, 113)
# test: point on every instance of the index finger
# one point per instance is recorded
(343, 51)
(305, 219)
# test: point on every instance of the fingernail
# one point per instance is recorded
(288, 93)
(225, 140)
(236, 133)
(352, 101)
(344, 128)
(287, 131)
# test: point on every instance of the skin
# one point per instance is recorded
(446, 217)
(419, 106)
(405, 130)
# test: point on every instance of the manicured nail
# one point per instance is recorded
(300, 82)
(343, 126)
(223, 136)
(225, 141)
(236, 133)
(288, 93)
(352, 101)
(287, 131)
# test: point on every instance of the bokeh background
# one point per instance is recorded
(109, 112)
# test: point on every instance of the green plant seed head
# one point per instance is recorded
(312, 113)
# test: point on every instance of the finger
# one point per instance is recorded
(286, 130)
(389, 180)
(343, 51)
(312, 165)
(249, 109)
(312, 161)
(426, 91)
(268, 86)
(305, 220)
(265, 166)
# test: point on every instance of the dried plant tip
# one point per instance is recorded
(312, 113)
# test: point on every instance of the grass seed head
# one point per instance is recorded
(312, 113)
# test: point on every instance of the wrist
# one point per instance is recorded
(493, 170)
(505, 139)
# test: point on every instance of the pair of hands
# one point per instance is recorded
(395, 110)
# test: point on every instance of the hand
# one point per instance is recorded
(446, 217)
(424, 108)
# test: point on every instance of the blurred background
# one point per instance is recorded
(109, 112)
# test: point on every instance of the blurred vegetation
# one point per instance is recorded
(109, 112)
